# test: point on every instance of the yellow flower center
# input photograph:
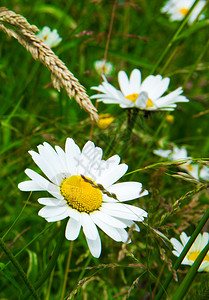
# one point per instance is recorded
(183, 11)
(193, 255)
(105, 120)
(134, 96)
(189, 167)
(80, 194)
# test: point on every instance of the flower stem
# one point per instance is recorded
(67, 270)
(52, 262)
(183, 254)
(20, 270)
(174, 37)
(196, 63)
(129, 129)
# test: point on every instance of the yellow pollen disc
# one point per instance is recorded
(132, 97)
(190, 168)
(192, 256)
(81, 195)
(149, 103)
(184, 11)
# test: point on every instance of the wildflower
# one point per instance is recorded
(105, 120)
(51, 38)
(204, 173)
(103, 67)
(83, 189)
(145, 95)
(169, 119)
(178, 9)
(198, 245)
(178, 154)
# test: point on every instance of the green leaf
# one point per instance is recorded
(58, 13)
(33, 266)
(10, 278)
(193, 29)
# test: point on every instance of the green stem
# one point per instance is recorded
(196, 63)
(67, 270)
(174, 37)
(84, 268)
(18, 217)
(52, 262)
(149, 146)
(111, 144)
(19, 269)
(186, 283)
(183, 254)
(129, 130)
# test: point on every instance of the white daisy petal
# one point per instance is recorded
(184, 238)
(124, 83)
(123, 234)
(51, 211)
(135, 81)
(95, 246)
(72, 156)
(51, 202)
(127, 190)
(30, 185)
(130, 223)
(45, 164)
(112, 175)
(89, 228)
(107, 219)
(60, 217)
(44, 184)
(124, 211)
(72, 229)
(109, 230)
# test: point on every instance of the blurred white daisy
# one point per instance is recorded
(103, 67)
(204, 173)
(178, 9)
(50, 38)
(179, 154)
(80, 183)
(145, 95)
(201, 241)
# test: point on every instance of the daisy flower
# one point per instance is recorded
(178, 154)
(103, 67)
(198, 245)
(50, 38)
(204, 173)
(83, 189)
(145, 95)
(178, 9)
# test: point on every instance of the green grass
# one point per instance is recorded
(32, 112)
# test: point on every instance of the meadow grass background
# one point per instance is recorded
(32, 112)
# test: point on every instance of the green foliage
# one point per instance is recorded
(32, 111)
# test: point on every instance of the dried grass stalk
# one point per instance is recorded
(17, 26)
